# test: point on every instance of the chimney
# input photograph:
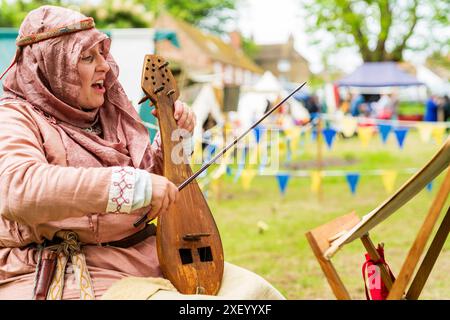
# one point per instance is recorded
(235, 40)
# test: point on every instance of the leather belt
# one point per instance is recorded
(148, 231)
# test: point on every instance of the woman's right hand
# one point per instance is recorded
(164, 194)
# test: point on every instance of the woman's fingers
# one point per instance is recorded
(173, 194)
(192, 121)
(179, 109)
(164, 194)
(164, 204)
(184, 116)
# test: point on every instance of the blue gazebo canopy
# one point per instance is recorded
(379, 74)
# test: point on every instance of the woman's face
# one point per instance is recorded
(92, 67)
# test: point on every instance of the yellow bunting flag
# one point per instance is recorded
(316, 181)
(349, 125)
(198, 152)
(294, 135)
(365, 134)
(228, 127)
(247, 177)
(389, 177)
(425, 130)
(282, 145)
(438, 133)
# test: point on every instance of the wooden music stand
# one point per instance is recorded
(327, 239)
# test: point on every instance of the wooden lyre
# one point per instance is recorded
(327, 239)
(188, 242)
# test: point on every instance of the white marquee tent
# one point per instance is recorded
(204, 105)
(254, 100)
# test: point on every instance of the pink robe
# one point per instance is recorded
(40, 195)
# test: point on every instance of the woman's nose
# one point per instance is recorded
(103, 65)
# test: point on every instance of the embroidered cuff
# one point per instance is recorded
(121, 190)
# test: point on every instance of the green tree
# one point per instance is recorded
(207, 14)
(119, 14)
(12, 13)
(381, 29)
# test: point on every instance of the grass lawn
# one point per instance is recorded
(282, 254)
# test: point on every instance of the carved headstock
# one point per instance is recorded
(157, 79)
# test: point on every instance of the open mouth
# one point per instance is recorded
(99, 86)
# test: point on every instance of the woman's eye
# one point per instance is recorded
(88, 58)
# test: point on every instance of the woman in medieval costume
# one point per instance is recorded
(77, 169)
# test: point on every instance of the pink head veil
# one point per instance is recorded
(46, 77)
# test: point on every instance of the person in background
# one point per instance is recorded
(431, 109)
(346, 102)
(446, 107)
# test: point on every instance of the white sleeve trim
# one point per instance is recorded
(142, 190)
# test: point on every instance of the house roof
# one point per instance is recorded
(277, 51)
(217, 49)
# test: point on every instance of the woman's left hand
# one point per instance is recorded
(184, 116)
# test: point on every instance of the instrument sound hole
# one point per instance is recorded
(205, 254)
(186, 256)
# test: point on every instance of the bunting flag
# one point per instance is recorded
(384, 130)
(165, 34)
(365, 134)
(247, 177)
(238, 172)
(283, 179)
(430, 186)
(329, 135)
(210, 150)
(293, 134)
(352, 180)
(389, 177)
(400, 134)
(258, 131)
(282, 146)
(197, 157)
(316, 181)
(438, 133)
(425, 130)
(349, 126)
